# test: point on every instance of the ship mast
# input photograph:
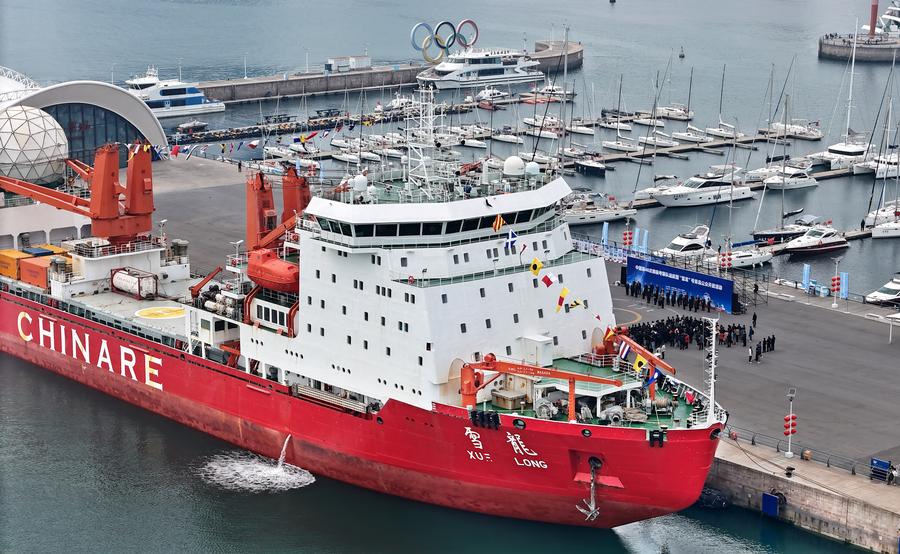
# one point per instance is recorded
(852, 66)
(711, 369)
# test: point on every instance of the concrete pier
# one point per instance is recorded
(310, 84)
(824, 500)
(550, 54)
(876, 49)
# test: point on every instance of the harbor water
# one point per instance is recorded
(83, 472)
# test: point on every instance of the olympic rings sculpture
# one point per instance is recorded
(454, 35)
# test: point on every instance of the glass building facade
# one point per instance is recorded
(88, 127)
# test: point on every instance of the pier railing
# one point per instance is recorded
(802, 452)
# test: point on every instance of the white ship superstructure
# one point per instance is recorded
(476, 67)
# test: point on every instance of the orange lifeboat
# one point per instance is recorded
(267, 270)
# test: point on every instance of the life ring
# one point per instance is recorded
(410, 279)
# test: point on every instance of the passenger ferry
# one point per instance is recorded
(475, 67)
(171, 97)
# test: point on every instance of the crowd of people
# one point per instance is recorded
(657, 296)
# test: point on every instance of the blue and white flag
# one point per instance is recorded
(326, 133)
(806, 272)
(624, 350)
(656, 375)
(511, 239)
(604, 238)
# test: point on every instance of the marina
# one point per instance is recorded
(518, 233)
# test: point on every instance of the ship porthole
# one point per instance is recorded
(379, 420)
(715, 434)
(518, 424)
(586, 432)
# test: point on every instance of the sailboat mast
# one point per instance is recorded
(562, 107)
(852, 66)
(721, 93)
(690, 88)
(783, 159)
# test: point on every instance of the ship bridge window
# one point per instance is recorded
(487, 221)
(325, 224)
(386, 230)
(523, 217)
(432, 228)
(410, 229)
(453, 226)
(471, 224)
(345, 230)
(365, 230)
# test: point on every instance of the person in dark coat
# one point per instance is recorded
(758, 351)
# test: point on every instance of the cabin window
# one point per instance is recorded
(386, 230)
(471, 224)
(333, 278)
(534, 282)
(515, 318)
(345, 230)
(443, 298)
(344, 310)
(522, 217)
(383, 321)
(428, 346)
(387, 350)
(266, 314)
(487, 222)
(280, 318)
(509, 350)
(487, 323)
(453, 226)
(544, 244)
(364, 230)
(583, 334)
(421, 360)
(365, 345)
(432, 228)
(404, 261)
(541, 313)
(322, 303)
(349, 340)
(555, 340)
(462, 327)
(321, 331)
(589, 272)
(509, 286)
(481, 292)
(410, 229)
(366, 316)
(259, 314)
(318, 274)
(456, 258)
(204, 324)
(560, 277)
(466, 257)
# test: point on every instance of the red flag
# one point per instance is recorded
(175, 150)
(548, 279)
(689, 397)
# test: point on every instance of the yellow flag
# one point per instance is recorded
(536, 267)
(639, 363)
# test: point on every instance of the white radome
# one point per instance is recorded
(33, 146)
(514, 166)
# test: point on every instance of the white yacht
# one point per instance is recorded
(887, 213)
(171, 97)
(772, 169)
(884, 167)
(741, 258)
(578, 127)
(490, 93)
(481, 67)
(887, 230)
(844, 155)
(397, 103)
(590, 166)
(887, 294)
(550, 91)
(622, 144)
(584, 209)
(507, 134)
(705, 189)
(797, 128)
(788, 232)
(678, 112)
(658, 139)
(693, 134)
(667, 182)
(648, 121)
(724, 130)
(688, 245)
(613, 123)
(542, 121)
(817, 240)
(792, 180)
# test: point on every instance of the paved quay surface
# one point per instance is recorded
(846, 373)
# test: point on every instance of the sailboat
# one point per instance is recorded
(615, 122)
(723, 130)
(676, 111)
(855, 148)
(789, 179)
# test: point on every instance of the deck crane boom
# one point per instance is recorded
(472, 379)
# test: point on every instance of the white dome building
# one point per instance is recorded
(33, 146)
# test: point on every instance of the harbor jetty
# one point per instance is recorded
(880, 43)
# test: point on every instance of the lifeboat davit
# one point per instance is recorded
(267, 270)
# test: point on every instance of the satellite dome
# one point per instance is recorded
(532, 168)
(359, 183)
(33, 146)
(514, 166)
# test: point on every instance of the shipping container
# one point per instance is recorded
(37, 251)
(9, 262)
(34, 271)
(53, 248)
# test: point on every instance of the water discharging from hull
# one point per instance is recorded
(245, 471)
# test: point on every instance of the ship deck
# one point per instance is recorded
(678, 418)
(162, 314)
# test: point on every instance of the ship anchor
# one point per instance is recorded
(590, 509)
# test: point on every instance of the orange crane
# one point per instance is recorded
(472, 378)
(111, 217)
(195, 289)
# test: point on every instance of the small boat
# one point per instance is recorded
(884, 167)
(341, 142)
(797, 128)
(578, 127)
(192, 127)
(787, 232)
(389, 152)
(472, 143)
(817, 240)
(573, 152)
(368, 156)
(490, 93)
(306, 163)
(277, 152)
(648, 121)
(345, 156)
(541, 158)
(490, 106)
(678, 112)
(542, 133)
(584, 209)
(887, 294)
(790, 181)
(621, 144)
(693, 134)
(590, 166)
(542, 121)
(724, 130)
(740, 258)
(659, 139)
(507, 134)
(888, 230)
(551, 91)
(787, 167)
(692, 244)
(613, 123)
(681, 53)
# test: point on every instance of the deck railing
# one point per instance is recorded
(802, 451)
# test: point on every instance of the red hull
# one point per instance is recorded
(404, 450)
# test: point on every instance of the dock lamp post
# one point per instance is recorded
(790, 421)
(245, 65)
(237, 249)
(835, 283)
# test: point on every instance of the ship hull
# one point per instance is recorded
(538, 473)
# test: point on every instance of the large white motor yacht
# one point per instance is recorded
(817, 240)
(789, 181)
(888, 294)
(884, 167)
(844, 155)
(688, 245)
(474, 67)
(704, 189)
(741, 258)
(171, 97)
